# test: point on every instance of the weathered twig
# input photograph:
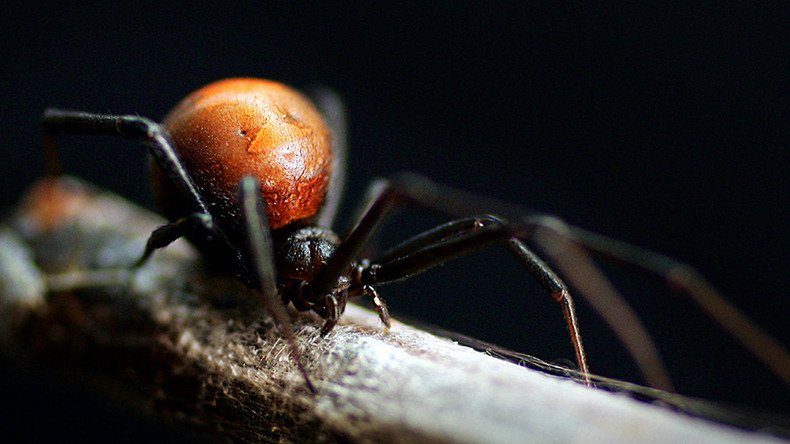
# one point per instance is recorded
(192, 345)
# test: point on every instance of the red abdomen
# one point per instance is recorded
(237, 127)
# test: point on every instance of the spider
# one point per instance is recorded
(248, 171)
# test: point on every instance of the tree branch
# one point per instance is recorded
(189, 344)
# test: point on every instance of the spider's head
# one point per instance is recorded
(301, 256)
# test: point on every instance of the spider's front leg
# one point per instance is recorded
(259, 243)
(459, 238)
(567, 246)
(438, 246)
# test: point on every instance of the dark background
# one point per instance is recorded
(666, 127)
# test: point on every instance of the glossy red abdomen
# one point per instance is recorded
(242, 126)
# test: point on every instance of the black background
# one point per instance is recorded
(663, 126)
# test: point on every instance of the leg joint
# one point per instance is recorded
(136, 126)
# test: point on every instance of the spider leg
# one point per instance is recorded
(333, 314)
(563, 244)
(55, 122)
(686, 279)
(384, 196)
(169, 233)
(558, 291)
(262, 257)
(378, 304)
(331, 106)
(461, 237)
